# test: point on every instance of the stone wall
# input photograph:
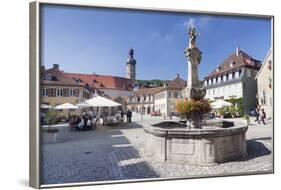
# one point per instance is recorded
(198, 146)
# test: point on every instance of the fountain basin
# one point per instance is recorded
(207, 146)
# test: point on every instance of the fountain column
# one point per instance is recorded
(194, 91)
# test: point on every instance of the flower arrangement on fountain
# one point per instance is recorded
(189, 107)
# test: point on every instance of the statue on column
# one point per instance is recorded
(194, 91)
(193, 55)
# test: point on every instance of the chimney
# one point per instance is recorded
(56, 66)
(178, 75)
(237, 50)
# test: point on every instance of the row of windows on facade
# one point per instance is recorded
(163, 106)
(224, 78)
(142, 99)
(170, 95)
(64, 92)
(160, 107)
(230, 89)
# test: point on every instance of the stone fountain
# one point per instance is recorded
(200, 145)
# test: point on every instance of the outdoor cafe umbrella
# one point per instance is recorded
(98, 101)
(220, 104)
(66, 106)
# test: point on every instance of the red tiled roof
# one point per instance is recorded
(176, 84)
(237, 61)
(57, 78)
(102, 81)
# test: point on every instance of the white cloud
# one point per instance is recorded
(198, 22)
(189, 23)
(168, 37)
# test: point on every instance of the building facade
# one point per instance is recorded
(56, 88)
(265, 86)
(111, 86)
(234, 78)
(166, 99)
(143, 100)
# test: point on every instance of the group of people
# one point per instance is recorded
(83, 123)
(260, 115)
(89, 121)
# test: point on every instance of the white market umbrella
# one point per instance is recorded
(83, 105)
(220, 104)
(45, 106)
(66, 106)
(99, 101)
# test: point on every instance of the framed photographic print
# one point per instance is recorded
(126, 94)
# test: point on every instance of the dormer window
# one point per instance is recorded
(48, 77)
(232, 63)
(218, 69)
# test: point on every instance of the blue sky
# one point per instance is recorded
(97, 40)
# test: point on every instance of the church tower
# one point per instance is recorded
(131, 66)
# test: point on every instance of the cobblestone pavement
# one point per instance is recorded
(117, 152)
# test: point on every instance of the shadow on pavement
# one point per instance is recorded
(255, 149)
(99, 155)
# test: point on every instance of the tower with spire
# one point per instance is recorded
(131, 66)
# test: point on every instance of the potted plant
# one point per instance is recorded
(221, 112)
(51, 117)
(233, 111)
(193, 109)
(247, 119)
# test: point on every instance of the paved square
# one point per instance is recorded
(117, 152)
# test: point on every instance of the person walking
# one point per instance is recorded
(263, 116)
(129, 116)
(257, 114)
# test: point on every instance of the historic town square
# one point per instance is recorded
(188, 97)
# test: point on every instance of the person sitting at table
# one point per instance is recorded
(72, 122)
(94, 121)
(77, 122)
(80, 125)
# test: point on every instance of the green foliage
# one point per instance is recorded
(155, 82)
(51, 117)
(232, 110)
(246, 116)
(188, 107)
(238, 103)
(221, 111)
